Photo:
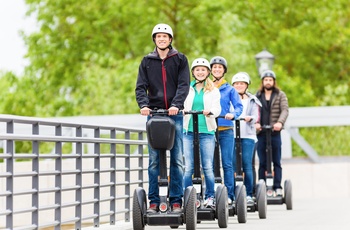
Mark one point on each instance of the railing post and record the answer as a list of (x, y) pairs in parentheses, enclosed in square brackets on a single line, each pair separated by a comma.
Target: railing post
[(9, 181), (58, 178), (97, 160), (78, 177), (112, 192), (127, 177), (35, 178), (140, 160)]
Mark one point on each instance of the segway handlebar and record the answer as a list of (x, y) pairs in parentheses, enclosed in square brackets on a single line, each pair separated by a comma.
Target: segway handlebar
[(195, 112), (266, 127), (162, 112), (241, 118)]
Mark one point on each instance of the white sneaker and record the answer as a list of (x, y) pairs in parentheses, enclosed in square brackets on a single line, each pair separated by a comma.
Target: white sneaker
[(209, 202), (250, 200), (279, 192), (229, 201)]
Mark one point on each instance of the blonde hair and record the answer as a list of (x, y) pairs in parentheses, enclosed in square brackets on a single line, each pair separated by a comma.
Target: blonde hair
[(209, 85)]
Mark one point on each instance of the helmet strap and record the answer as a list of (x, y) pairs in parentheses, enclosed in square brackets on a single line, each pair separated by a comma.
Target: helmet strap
[(242, 94), (217, 78), (199, 81)]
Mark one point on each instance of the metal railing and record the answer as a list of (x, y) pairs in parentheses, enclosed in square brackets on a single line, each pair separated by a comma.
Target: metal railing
[(87, 178)]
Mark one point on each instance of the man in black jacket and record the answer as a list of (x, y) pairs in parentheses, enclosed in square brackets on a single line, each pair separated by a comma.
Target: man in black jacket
[(163, 83)]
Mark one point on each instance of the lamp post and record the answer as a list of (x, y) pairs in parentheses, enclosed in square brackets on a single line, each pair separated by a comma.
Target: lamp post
[(264, 61)]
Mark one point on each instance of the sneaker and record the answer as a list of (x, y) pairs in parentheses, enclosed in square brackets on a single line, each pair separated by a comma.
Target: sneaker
[(176, 208), (279, 192), (229, 201), (209, 202), (153, 208), (250, 200)]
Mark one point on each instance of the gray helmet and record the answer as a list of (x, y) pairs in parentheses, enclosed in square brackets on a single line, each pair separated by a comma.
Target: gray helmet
[(219, 60), (268, 73)]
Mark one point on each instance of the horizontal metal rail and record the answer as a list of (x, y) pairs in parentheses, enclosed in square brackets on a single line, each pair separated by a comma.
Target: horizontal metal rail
[(90, 182)]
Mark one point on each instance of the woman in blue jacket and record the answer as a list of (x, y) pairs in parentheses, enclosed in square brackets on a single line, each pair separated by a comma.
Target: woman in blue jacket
[(229, 99)]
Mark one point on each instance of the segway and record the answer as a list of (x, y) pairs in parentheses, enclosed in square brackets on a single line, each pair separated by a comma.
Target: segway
[(220, 210), (260, 201), (271, 197), (239, 206), (160, 133), (240, 190)]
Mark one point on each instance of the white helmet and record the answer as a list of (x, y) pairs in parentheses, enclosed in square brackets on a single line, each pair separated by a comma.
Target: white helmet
[(268, 73), (200, 62), (241, 76), (162, 28)]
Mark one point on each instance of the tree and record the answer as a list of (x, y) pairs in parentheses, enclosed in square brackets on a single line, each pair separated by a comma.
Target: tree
[(85, 57)]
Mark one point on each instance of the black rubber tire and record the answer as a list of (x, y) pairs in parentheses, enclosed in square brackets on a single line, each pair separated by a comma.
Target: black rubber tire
[(288, 197), (218, 192), (261, 199), (191, 209), (221, 206), (241, 204), (139, 208), (175, 226)]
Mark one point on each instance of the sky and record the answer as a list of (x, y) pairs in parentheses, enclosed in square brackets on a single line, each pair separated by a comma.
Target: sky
[(12, 47)]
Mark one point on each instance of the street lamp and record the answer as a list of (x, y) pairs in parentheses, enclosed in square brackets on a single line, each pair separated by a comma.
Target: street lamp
[(264, 61)]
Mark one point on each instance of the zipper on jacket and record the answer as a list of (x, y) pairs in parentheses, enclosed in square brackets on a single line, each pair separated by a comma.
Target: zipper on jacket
[(164, 79)]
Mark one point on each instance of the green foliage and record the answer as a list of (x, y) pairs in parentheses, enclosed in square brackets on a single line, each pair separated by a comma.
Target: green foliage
[(334, 141), (84, 58)]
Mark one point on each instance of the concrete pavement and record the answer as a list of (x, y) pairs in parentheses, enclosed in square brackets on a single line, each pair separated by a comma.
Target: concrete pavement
[(320, 214), (321, 200)]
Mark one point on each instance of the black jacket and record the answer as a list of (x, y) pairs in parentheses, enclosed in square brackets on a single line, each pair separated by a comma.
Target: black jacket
[(159, 79)]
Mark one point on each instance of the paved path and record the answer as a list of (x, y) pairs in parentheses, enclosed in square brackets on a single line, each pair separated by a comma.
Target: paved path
[(318, 214), (321, 201)]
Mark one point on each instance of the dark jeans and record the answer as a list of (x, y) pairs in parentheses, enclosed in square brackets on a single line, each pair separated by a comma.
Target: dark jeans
[(276, 158)]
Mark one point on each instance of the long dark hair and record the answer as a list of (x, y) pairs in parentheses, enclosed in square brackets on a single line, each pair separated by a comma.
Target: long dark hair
[(274, 88)]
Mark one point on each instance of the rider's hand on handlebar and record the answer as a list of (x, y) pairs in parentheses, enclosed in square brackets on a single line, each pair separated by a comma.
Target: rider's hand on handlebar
[(229, 116), (277, 126), (173, 111), (258, 127), (145, 111), (206, 112), (248, 119)]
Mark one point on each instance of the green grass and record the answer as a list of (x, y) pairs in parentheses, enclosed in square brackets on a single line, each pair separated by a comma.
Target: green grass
[(326, 141)]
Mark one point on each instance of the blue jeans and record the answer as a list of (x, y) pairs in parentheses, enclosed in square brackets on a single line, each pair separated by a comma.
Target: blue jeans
[(227, 141), (276, 158), (247, 158), (176, 168), (206, 149)]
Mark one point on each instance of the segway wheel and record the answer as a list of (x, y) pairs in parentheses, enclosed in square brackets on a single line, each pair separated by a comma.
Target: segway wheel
[(241, 203), (190, 208), (261, 199), (288, 194), (221, 206), (139, 208)]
